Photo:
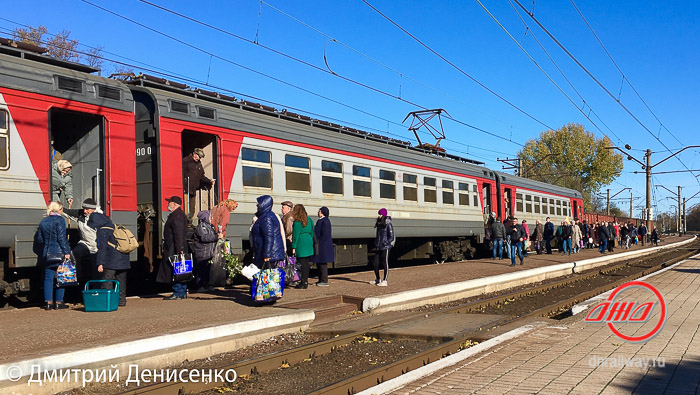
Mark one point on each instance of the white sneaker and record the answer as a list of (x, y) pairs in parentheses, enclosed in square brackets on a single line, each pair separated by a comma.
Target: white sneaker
[(373, 282), (382, 284)]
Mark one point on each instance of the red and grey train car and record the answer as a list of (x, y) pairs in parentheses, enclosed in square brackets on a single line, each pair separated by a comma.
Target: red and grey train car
[(127, 140)]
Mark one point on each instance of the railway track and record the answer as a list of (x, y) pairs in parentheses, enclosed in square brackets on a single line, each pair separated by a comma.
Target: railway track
[(616, 274)]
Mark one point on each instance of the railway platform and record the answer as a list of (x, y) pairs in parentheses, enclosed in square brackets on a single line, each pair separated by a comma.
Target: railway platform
[(577, 357), (156, 333)]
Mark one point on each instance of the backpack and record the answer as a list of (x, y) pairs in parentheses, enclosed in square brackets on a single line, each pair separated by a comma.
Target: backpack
[(126, 242)]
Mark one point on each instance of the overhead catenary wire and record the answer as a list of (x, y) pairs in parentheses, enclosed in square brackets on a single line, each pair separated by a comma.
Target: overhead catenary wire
[(617, 100), (620, 70), (183, 78), (192, 46), (457, 67)]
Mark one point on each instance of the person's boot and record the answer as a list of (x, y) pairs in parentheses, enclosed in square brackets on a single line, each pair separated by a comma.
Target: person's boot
[(60, 306), (302, 285), (48, 306)]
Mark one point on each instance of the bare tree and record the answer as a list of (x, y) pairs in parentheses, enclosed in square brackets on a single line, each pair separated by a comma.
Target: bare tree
[(60, 46), (94, 57)]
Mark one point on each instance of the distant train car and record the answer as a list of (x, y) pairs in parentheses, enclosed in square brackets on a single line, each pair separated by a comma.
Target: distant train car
[(127, 140)]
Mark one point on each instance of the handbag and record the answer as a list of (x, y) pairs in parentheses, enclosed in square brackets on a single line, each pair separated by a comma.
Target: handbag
[(313, 232), (54, 258), (268, 284), (66, 274), (182, 268), (291, 270)]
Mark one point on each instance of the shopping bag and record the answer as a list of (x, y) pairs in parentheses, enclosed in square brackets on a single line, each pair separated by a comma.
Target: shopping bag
[(268, 285), (182, 268), (217, 272), (66, 274), (291, 270), (250, 271)]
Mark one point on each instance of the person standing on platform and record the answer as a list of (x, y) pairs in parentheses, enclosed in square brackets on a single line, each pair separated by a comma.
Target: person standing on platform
[(221, 214), (565, 238), (548, 234), (612, 235), (85, 252), (526, 237), (51, 241), (205, 237), (655, 237), (383, 241), (603, 236), (302, 242), (516, 235), (326, 251), (643, 233), (288, 224), (498, 233), (111, 263), (193, 179), (266, 235), (576, 237), (174, 243), (538, 236)]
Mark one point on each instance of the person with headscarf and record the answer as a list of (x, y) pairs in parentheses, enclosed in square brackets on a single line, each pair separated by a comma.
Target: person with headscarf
[(383, 242), (221, 214), (265, 234), (205, 237), (62, 181), (324, 240)]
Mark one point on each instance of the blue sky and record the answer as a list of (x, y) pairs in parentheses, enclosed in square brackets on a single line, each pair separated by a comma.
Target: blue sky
[(655, 44)]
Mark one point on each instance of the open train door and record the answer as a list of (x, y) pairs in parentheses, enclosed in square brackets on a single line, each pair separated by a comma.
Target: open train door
[(206, 197)]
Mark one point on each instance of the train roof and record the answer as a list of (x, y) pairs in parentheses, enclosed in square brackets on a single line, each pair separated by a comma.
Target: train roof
[(26, 70), (511, 179)]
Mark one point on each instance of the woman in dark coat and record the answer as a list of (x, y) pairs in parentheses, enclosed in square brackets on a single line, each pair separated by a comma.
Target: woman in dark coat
[(51, 239), (205, 237), (383, 241), (265, 236), (324, 240), (174, 242), (111, 263)]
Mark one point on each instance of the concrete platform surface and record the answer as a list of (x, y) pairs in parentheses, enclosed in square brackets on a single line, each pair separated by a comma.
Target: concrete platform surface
[(576, 357), (32, 332)]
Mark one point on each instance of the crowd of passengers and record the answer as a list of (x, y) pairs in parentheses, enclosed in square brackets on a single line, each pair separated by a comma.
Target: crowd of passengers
[(516, 240)]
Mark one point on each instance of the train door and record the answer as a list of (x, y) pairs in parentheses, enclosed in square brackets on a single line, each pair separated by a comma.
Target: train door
[(486, 198), (576, 214), (507, 203), (205, 197), (79, 139)]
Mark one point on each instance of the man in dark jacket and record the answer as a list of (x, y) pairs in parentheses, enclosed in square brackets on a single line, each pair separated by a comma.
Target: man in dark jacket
[(516, 233), (324, 241), (498, 233), (265, 235), (110, 262), (565, 238), (603, 236), (383, 241), (193, 178), (643, 232), (174, 243), (612, 236), (548, 234)]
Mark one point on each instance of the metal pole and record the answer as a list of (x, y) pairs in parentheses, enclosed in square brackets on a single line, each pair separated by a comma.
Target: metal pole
[(685, 219), (607, 209), (631, 209), (679, 210), (648, 205)]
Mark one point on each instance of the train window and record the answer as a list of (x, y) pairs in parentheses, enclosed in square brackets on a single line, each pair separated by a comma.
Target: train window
[(528, 203), (558, 203), (178, 106), (332, 177), (519, 202), (257, 168), (410, 187), (537, 205), (387, 184), (4, 141), (206, 112), (463, 194), (476, 195), (70, 84), (361, 181), (297, 173), (448, 192), (429, 190)]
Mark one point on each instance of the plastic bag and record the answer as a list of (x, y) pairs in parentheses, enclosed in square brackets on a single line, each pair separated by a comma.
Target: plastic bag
[(66, 274)]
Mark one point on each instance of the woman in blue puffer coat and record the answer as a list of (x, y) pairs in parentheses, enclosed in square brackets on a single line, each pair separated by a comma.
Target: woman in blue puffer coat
[(265, 235), (51, 240)]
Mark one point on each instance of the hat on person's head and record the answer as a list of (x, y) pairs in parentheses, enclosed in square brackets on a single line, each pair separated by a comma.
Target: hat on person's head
[(174, 199), (288, 204), (89, 203), (383, 212), (199, 152), (324, 211)]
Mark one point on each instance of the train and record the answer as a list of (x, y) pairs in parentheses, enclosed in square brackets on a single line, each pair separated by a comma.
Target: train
[(126, 141)]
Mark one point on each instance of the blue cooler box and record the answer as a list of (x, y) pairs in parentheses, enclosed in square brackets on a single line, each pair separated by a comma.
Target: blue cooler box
[(99, 299)]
